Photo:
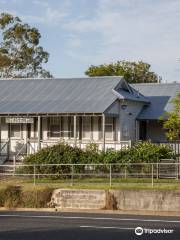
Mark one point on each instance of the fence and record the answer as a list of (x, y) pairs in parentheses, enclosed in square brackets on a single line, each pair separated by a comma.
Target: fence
[(90, 174)]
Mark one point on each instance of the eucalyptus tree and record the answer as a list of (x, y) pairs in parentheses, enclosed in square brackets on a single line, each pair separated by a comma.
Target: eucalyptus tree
[(20, 53)]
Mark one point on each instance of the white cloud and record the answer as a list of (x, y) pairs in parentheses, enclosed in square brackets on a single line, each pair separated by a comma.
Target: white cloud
[(49, 14), (102, 31), (41, 3), (3, 2), (73, 42), (136, 30)]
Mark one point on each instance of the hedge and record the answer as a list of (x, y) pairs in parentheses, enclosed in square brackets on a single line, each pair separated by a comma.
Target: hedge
[(62, 153)]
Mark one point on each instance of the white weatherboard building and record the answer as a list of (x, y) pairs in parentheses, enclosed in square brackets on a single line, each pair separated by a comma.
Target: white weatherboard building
[(35, 113)]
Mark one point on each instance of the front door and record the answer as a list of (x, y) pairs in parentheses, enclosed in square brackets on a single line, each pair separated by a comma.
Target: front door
[(142, 130)]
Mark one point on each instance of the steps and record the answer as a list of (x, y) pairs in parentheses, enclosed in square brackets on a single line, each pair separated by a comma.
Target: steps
[(7, 165), (3, 159)]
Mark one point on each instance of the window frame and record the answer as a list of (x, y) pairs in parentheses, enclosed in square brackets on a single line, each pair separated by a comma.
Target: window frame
[(90, 128), (109, 121), (20, 131)]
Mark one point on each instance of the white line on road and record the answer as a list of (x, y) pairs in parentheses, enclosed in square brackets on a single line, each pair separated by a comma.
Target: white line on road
[(90, 218), (101, 227)]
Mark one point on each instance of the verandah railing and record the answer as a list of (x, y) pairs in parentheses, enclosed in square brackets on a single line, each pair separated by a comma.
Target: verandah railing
[(19, 148), (174, 145), (30, 146)]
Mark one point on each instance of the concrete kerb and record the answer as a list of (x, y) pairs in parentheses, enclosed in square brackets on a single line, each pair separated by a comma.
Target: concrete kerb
[(115, 212)]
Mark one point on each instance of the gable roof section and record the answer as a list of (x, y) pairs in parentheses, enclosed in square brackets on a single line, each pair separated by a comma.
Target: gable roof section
[(124, 91), (75, 95), (131, 96), (160, 97)]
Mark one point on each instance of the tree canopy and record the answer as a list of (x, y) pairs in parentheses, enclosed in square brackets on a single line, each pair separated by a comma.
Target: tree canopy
[(20, 53), (133, 72), (172, 125)]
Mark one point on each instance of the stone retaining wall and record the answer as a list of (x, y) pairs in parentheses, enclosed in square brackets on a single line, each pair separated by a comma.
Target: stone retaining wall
[(81, 199), (139, 200), (155, 200)]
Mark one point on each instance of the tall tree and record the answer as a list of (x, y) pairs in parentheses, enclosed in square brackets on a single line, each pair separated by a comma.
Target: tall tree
[(20, 53), (133, 72), (172, 125)]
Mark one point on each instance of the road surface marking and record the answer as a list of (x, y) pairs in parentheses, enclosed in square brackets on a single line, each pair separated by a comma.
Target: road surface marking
[(101, 227), (89, 218)]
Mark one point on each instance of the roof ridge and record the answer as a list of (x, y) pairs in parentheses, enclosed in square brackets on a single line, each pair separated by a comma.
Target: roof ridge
[(63, 78), (172, 83)]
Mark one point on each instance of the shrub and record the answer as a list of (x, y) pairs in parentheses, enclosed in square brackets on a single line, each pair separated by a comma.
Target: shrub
[(36, 198), (57, 154), (12, 196), (65, 154), (92, 147), (2, 197), (147, 152)]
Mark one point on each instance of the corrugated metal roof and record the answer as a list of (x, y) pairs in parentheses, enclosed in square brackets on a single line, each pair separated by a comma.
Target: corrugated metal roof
[(81, 95), (133, 96), (77, 95), (160, 97)]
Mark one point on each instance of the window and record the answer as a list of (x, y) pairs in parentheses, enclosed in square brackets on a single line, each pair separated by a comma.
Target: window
[(109, 128), (15, 130), (100, 128), (34, 129), (65, 129), (86, 127), (71, 127), (54, 131), (62, 127), (54, 127)]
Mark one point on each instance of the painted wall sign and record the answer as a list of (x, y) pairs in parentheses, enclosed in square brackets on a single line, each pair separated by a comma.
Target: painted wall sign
[(19, 120)]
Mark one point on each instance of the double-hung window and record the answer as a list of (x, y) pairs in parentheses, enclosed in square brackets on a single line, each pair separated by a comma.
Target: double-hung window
[(109, 128), (86, 127), (15, 130), (54, 127)]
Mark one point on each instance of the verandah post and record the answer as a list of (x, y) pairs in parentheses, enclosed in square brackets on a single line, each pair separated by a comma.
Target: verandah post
[(75, 135), (103, 132), (0, 135), (39, 132)]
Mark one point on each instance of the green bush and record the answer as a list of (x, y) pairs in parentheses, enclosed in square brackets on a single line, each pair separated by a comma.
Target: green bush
[(57, 154), (147, 152), (64, 154)]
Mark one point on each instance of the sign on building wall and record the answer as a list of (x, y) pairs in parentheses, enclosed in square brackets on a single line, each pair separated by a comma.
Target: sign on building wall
[(19, 120)]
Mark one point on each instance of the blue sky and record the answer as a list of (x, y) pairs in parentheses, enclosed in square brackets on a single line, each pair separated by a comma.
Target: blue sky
[(78, 33)]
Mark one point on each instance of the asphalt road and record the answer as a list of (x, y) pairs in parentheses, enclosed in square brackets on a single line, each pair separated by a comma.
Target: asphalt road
[(83, 226)]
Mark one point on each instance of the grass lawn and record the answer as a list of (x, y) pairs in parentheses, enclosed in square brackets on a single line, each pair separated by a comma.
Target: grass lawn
[(92, 183)]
